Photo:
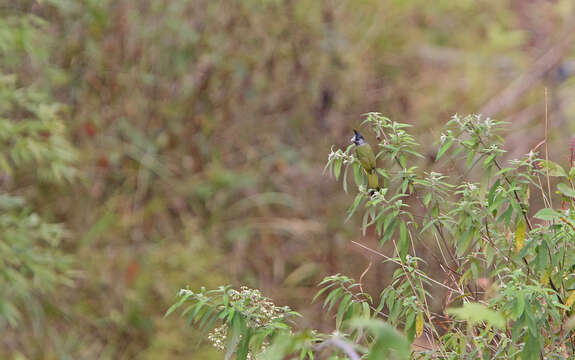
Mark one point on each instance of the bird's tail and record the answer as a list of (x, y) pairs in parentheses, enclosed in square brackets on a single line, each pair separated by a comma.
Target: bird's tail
[(372, 181)]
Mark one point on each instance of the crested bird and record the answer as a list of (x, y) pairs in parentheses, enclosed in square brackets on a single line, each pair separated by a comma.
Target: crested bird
[(366, 158)]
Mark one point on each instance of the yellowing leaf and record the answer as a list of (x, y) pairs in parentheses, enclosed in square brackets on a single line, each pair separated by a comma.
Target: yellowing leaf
[(520, 236), (570, 299), (544, 278), (419, 324)]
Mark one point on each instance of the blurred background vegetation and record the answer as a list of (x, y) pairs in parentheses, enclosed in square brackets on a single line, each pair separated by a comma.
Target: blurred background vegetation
[(150, 145)]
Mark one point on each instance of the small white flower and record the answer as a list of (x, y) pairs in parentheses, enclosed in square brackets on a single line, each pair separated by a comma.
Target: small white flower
[(185, 291)]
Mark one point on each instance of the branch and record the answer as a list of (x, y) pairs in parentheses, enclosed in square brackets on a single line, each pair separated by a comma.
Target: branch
[(404, 266)]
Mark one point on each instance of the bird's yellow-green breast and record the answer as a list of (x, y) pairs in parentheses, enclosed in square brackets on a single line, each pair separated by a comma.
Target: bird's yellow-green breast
[(365, 156)]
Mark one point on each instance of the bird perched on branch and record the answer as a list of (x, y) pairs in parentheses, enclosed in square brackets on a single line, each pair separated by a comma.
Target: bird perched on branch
[(366, 158)]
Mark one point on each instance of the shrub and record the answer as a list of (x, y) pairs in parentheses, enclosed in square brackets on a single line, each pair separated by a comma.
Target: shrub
[(508, 266), (32, 136), (34, 152)]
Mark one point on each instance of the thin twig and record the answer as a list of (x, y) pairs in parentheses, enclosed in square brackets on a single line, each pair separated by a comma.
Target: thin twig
[(363, 274), (404, 266)]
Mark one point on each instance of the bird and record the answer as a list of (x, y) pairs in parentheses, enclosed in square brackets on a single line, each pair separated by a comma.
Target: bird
[(366, 158)]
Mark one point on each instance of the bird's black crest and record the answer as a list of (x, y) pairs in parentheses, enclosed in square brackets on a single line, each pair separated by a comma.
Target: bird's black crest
[(357, 139)]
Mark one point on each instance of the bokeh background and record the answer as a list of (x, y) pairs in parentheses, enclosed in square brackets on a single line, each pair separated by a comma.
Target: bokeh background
[(151, 145)]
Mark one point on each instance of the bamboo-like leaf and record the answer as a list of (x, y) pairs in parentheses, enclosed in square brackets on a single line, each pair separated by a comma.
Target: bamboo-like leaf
[(546, 214), (531, 349), (518, 306), (403, 243), (178, 304), (444, 148), (234, 335), (244, 345), (332, 298), (477, 313), (345, 179), (356, 202), (386, 337), (337, 168), (324, 289), (342, 309)]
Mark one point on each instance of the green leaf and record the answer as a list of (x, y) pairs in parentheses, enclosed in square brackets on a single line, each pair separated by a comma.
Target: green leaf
[(427, 198), (464, 242), (403, 243), (345, 179), (235, 331), (531, 349), (324, 289), (546, 214), (178, 304), (390, 225), (279, 348), (244, 345), (337, 168), (387, 339), (518, 306), (488, 160), (477, 313), (492, 193), (355, 205), (357, 174), (566, 190), (332, 298), (554, 169), (342, 308), (444, 148)]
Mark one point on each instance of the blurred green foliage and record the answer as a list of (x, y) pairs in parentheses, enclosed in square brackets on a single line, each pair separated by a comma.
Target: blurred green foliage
[(181, 143)]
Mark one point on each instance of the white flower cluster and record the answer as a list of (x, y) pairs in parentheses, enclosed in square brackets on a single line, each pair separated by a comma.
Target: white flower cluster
[(339, 154), (457, 119), (434, 178), (218, 336), (261, 310), (258, 310), (443, 138), (487, 122), (471, 186)]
